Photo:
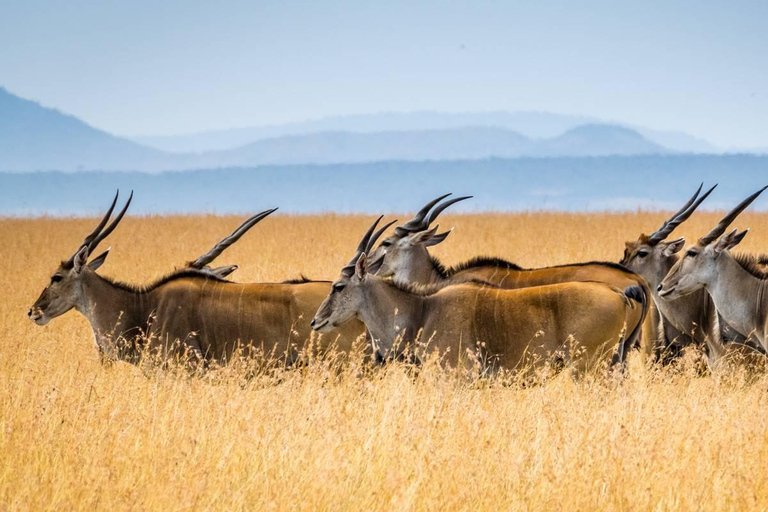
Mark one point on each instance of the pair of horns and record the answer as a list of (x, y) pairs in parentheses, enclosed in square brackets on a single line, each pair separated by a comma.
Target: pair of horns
[(424, 218), (220, 247), (679, 217), (99, 233), (366, 244), (728, 219)]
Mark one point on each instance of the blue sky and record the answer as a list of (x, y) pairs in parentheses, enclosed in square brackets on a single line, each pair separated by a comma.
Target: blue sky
[(163, 67)]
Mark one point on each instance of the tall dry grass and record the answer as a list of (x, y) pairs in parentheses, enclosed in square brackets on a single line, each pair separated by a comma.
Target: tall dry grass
[(76, 435)]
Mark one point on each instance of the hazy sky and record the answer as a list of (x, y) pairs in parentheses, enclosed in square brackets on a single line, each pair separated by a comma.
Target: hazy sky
[(161, 67)]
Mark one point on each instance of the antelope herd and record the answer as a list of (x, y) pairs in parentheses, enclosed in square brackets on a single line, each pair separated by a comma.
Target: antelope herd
[(486, 314)]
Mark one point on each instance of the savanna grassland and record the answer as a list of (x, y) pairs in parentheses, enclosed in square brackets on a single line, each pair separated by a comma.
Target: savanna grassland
[(75, 435)]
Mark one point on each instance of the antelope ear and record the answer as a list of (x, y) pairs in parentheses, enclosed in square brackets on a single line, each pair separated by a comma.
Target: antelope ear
[(98, 260), (361, 267), (730, 240), (80, 260), (222, 272), (423, 237), (374, 266), (674, 246), (438, 238)]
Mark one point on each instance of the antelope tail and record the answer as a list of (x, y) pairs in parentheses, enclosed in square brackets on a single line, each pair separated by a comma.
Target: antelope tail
[(639, 294), (635, 293)]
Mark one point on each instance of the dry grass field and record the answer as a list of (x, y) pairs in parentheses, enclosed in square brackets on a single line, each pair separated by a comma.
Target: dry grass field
[(78, 436)]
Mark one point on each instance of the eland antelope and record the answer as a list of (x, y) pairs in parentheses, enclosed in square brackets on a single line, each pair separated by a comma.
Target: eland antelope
[(495, 327), (191, 314), (689, 319), (737, 284), (405, 258)]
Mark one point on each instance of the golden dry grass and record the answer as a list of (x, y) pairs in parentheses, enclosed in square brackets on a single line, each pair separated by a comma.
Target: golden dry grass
[(75, 435)]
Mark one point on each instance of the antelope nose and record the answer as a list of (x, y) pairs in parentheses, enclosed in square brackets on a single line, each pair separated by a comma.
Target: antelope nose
[(29, 313), (311, 324), (658, 288)]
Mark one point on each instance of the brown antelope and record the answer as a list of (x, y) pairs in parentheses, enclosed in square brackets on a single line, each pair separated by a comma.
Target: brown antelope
[(736, 284), (495, 327), (190, 314), (405, 258)]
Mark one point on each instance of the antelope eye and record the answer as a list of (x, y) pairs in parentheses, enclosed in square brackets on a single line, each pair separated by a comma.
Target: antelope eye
[(691, 254), (56, 278), (386, 243), (642, 254), (338, 287)]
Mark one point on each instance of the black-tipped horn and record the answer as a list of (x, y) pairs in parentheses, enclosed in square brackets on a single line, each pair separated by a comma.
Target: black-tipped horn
[(417, 223), (109, 229), (726, 221), (93, 234), (691, 200), (681, 216), (99, 233), (442, 206), (362, 247), (220, 247), (377, 234)]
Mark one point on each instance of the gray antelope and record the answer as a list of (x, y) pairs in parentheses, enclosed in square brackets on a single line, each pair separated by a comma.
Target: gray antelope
[(191, 314), (688, 320), (405, 258), (737, 284), (471, 323)]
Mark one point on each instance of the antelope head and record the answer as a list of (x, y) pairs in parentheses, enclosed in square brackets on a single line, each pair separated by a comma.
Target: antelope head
[(698, 267), (202, 263), (65, 289), (345, 299), (406, 250), (652, 256)]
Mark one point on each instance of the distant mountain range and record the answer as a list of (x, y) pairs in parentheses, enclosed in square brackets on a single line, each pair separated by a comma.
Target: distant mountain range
[(536, 125), (33, 137), (468, 143)]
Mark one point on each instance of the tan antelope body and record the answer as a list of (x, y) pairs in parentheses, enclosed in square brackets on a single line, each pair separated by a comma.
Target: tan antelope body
[(578, 324), (191, 314), (502, 328), (405, 258), (736, 284)]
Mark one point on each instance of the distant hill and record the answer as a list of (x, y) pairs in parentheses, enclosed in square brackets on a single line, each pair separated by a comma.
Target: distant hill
[(529, 124), (598, 140), (589, 183), (33, 137), (345, 147), (450, 144)]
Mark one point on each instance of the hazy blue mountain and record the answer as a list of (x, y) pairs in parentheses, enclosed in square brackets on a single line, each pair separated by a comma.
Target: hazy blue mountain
[(597, 140), (589, 183), (450, 144), (530, 124), (35, 137), (678, 141), (345, 147)]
